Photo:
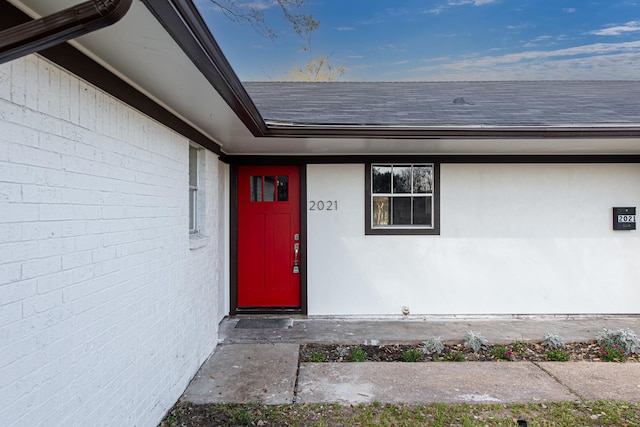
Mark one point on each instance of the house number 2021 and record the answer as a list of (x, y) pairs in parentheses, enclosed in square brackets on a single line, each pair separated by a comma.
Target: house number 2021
[(323, 205)]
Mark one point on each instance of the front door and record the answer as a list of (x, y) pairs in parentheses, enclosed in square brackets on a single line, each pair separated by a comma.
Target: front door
[(268, 237)]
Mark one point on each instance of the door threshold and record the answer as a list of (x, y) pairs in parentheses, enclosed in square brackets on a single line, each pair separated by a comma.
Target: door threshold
[(268, 310)]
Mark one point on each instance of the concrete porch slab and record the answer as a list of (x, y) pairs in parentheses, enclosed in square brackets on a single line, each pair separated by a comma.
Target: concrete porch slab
[(477, 382), (598, 381), (244, 373), (498, 330)]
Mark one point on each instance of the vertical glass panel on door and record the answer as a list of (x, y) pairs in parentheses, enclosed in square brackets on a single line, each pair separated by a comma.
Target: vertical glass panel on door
[(283, 188), (422, 179), (422, 210), (269, 189), (381, 211), (401, 179), (381, 179), (256, 188), (401, 210)]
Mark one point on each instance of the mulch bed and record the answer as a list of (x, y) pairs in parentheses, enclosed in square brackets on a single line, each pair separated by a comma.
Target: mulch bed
[(532, 352)]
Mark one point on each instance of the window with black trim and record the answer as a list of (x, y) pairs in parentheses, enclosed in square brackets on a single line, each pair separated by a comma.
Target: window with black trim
[(402, 198)]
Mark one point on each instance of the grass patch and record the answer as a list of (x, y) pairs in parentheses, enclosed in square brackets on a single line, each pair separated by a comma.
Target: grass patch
[(557, 355), (318, 357), (564, 414), (356, 355)]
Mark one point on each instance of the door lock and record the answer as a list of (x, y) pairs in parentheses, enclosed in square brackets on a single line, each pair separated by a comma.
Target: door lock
[(296, 251)]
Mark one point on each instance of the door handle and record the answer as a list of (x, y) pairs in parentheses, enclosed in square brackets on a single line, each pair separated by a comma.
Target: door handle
[(296, 251)]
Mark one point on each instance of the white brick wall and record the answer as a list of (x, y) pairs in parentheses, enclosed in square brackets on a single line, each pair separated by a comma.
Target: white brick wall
[(105, 311)]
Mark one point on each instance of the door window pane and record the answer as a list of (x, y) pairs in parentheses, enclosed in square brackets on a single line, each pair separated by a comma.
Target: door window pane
[(256, 188), (269, 188), (283, 188), (382, 179), (402, 179), (401, 210)]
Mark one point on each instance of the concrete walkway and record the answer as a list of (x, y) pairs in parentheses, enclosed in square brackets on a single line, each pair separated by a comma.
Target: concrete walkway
[(258, 362)]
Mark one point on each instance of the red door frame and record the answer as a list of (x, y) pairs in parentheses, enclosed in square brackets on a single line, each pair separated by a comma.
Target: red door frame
[(233, 247)]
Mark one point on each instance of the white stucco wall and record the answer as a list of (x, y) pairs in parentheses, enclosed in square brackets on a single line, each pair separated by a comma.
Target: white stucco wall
[(515, 239), (106, 308)]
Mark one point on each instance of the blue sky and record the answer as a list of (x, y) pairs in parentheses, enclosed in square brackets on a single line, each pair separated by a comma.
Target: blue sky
[(448, 40)]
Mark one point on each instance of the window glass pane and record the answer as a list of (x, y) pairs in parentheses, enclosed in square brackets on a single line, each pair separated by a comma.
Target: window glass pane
[(193, 167), (422, 179), (381, 179), (283, 188), (269, 188), (256, 188), (381, 209), (192, 209), (422, 211), (401, 210), (402, 179)]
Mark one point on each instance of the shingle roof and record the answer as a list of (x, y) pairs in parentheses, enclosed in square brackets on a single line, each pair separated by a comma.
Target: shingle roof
[(526, 103)]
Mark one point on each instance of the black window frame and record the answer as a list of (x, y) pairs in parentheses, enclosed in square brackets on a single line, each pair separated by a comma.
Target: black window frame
[(404, 230)]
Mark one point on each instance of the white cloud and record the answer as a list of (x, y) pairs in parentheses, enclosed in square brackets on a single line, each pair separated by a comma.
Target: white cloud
[(345, 28), (629, 27), (595, 62), (472, 2), (452, 3), (569, 9)]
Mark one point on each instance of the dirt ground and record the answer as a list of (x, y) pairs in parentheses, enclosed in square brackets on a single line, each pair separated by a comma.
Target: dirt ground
[(533, 352)]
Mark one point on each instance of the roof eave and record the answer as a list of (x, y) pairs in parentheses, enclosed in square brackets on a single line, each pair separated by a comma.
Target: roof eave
[(448, 132)]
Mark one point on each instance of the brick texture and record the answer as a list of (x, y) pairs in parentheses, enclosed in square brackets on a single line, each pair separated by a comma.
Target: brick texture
[(106, 312)]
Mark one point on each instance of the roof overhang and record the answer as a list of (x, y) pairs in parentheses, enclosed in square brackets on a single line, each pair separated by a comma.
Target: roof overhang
[(163, 49)]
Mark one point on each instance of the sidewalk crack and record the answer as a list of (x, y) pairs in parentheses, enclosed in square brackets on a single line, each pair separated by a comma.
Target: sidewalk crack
[(548, 372), (295, 383)]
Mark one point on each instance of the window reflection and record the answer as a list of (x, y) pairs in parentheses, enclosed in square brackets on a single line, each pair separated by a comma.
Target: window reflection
[(381, 210), (382, 179), (256, 188), (283, 188), (269, 189), (402, 179), (422, 179)]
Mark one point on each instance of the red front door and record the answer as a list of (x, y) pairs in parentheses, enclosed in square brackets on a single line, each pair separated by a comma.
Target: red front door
[(268, 236)]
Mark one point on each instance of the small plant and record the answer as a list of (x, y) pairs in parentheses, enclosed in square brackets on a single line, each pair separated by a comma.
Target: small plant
[(356, 355), (624, 339), (557, 355), (502, 353), (552, 341), (318, 357), (474, 341), (612, 354), (412, 355), (454, 356), (434, 345), (519, 347)]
